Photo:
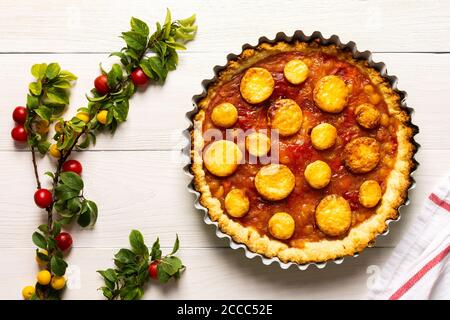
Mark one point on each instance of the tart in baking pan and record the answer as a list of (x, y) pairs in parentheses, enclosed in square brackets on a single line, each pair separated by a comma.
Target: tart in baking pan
[(301, 152)]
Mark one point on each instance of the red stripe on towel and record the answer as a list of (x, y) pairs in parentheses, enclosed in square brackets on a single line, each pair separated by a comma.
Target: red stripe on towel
[(440, 202), (414, 279)]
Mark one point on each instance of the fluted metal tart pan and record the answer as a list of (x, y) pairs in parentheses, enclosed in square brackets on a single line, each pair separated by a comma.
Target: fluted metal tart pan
[(301, 37)]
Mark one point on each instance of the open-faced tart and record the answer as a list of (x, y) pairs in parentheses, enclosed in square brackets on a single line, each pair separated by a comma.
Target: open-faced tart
[(301, 152)]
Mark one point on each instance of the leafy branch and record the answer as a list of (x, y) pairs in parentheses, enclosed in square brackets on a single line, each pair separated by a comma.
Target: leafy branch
[(108, 105), (134, 268), (47, 98)]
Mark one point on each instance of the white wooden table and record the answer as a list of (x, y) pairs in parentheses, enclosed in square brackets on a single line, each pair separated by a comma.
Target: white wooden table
[(136, 176)]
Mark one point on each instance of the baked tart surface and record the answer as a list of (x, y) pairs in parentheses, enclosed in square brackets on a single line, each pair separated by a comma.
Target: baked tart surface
[(301, 152)]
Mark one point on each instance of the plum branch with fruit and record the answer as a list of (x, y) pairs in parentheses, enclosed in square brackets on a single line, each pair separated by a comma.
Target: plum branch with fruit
[(135, 267), (145, 58)]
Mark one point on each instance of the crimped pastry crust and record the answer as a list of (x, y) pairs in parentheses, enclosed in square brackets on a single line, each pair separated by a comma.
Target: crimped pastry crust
[(359, 237)]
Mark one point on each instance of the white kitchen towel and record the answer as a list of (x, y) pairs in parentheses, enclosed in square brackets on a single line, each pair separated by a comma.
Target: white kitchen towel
[(419, 267)]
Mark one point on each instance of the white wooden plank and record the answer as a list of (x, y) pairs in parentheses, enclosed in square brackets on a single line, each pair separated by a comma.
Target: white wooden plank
[(147, 190), (217, 273), (74, 26), (156, 117)]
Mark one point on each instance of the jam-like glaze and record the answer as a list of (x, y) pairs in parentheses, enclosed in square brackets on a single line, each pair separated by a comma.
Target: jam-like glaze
[(297, 151)]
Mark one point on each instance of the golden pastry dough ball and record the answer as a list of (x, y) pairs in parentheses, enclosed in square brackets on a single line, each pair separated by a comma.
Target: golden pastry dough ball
[(296, 71), (285, 116), (274, 182), (224, 115), (367, 115), (369, 193), (256, 85), (362, 154), (222, 157), (318, 174), (237, 203), (257, 144), (330, 94), (333, 215), (281, 225), (323, 136)]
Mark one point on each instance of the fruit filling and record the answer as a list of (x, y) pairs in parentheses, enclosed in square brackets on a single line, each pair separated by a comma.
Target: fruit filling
[(335, 134)]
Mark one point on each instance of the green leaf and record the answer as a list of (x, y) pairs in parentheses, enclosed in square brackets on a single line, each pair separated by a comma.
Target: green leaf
[(125, 256), (143, 275), (53, 294), (176, 246), (44, 112), (39, 240), (147, 68), (69, 137), (74, 205), (137, 243), (171, 265), (33, 139), (109, 284), (85, 143), (160, 48), (129, 293), (120, 110), (67, 75), (58, 266), (41, 256), (132, 54), (84, 219), (154, 68), (60, 204), (53, 70), (72, 180), (96, 99), (56, 228), (51, 244), (64, 193), (135, 40), (140, 292), (35, 88), (139, 26), (123, 57), (43, 228), (115, 75), (50, 174), (167, 24), (185, 33), (58, 95), (89, 214), (188, 21), (176, 45), (172, 60), (83, 109), (38, 70), (77, 124), (129, 270), (163, 276), (158, 29), (156, 251), (32, 101), (62, 83), (56, 108), (93, 136), (64, 213), (107, 293), (34, 297), (43, 147), (66, 220), (108, 274)]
